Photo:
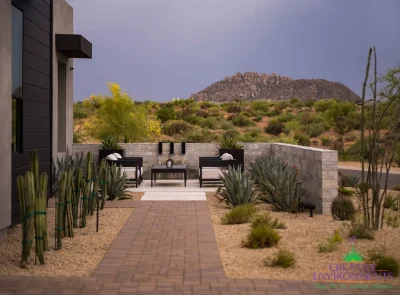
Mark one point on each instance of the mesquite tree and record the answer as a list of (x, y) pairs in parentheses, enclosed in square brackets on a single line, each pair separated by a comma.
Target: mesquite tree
[(380, 133)]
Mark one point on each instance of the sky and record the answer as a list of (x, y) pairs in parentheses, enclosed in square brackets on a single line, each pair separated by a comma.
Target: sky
[(157, 49)]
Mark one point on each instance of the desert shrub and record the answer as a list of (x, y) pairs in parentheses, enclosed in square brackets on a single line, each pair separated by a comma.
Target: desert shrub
[(245, 114), (310, 102), (231, 133), (192, 119), (252, 137), (352, 136), (242, 121), (258, 119), (294, 101), (229, 143), (345, 191), (323, 105), (360, 231), (285, 117), (392, 219), (266, 219), (79, 111), (384, 263), (325, 141), (260, 106), (340, 109), (287, 139), (165, 114), (342, 208), (278, 183), (238, 215), (262, 236), (315, 129), (275, 112), (293, 126), (391, 201), (332, 243), (214, 112), (202, 113), (233, 108), (396, 188), (225, 125), (284, 258), (237, 188), (209, 123), (207, 104), (302, 139), (176, 127), (200, 135), (274, 128)]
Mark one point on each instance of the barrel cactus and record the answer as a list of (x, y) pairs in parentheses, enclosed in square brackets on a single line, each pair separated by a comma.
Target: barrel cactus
[(343, 208)]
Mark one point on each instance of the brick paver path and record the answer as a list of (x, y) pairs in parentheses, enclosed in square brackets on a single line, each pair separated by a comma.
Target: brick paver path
[(169, 248)]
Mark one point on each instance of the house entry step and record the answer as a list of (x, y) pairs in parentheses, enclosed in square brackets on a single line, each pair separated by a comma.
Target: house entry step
[(174, 196)]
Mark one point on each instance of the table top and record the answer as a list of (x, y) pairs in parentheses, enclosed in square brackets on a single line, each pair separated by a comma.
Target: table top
[(164, 167)]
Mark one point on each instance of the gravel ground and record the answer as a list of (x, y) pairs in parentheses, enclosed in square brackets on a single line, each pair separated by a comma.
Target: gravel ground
[(79, 255), (302, 236)]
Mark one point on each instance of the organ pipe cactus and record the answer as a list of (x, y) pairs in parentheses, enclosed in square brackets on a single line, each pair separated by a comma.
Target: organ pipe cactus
[(60, 210), (27, 210), (77, 193), (103, 182), (87, 189), (68, 217), (40, 218)]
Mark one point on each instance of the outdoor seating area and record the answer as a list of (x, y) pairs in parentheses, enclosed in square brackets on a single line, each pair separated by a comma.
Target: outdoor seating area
[(132, 166)]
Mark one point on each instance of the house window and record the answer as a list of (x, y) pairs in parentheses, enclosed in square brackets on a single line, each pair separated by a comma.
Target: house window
[(17, 29)]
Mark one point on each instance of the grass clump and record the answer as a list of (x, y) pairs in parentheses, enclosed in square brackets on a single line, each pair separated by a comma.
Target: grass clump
[(396, 188), (332, 243), (262, 236), (274, 128), (360, 231), (384, 263), (240, 214), (266, 219), (392, 220), (284, 258)]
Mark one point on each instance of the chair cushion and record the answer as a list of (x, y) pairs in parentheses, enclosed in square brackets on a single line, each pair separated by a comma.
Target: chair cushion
[(118, 156), (227, 157), (130, 172), (223, 155), (111, 157), (141, 170), (211, 173)]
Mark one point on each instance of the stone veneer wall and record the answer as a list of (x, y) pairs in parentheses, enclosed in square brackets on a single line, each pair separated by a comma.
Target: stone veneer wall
[(319, 167)]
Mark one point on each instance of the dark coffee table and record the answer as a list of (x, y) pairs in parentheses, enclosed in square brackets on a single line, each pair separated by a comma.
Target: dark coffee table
[(163, 169)]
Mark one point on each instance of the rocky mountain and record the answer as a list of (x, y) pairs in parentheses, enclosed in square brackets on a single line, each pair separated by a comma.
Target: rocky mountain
[(251, 86)]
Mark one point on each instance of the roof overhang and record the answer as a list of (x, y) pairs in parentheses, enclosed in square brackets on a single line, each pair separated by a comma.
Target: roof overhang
[(73, 46)]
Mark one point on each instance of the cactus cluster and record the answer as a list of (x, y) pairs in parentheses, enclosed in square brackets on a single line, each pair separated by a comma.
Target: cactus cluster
[(32, 191)]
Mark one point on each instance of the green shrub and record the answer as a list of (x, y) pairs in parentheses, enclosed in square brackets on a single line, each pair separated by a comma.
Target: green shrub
[(345, 191), (278, 183), (325, 141), (225, 125), (230, 134), (233, 108), (293, 126), (266, 219), (176, 127), (165, 114), (287, 139), (323, 105), (202, 113), (350, 137), (207, 104), (332, 243), (192, 119), (284, 258), (260, 106), (229, 143), (116, 184), (342, 208), (209, 123), (392, 219), (239, 215), (242, 121), (310, 102), (360, 231), (258, 119), (110, 143), (237, 188), (303, 139), (396, 188), (200, 135), (384, 263), (252, 137), (294, 101), (315, 129), (285, 117), (274, 128), (262, 236), (275, 112), (391, 202)]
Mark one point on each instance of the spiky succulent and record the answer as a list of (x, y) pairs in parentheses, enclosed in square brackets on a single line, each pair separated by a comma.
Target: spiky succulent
[(116, 181)]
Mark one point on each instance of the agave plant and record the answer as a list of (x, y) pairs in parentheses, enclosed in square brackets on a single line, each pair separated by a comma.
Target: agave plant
[(116, 181), (61, 165), (110, 143), (229, 143), (237, 189), (277, 183)]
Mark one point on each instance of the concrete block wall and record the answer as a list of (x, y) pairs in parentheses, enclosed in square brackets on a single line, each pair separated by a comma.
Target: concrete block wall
[(318, 167)]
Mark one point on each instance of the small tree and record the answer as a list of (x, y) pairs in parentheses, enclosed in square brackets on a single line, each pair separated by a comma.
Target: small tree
[(120, 117), (382, 112)]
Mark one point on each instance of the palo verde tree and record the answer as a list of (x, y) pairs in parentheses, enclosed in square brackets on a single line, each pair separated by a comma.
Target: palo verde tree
[(118, 116), (380, 132)]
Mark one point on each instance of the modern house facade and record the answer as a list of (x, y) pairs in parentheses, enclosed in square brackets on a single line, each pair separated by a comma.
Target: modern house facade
[(37, 48)]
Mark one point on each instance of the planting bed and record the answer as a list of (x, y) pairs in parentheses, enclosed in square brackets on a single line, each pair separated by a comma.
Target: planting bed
[(302, 236), (79, 255)]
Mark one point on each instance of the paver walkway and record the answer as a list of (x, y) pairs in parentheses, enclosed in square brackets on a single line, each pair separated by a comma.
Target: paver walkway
[(166, 247)]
